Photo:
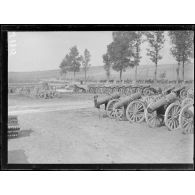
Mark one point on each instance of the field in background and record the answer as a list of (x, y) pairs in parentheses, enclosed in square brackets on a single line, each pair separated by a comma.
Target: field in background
[(98, 73)]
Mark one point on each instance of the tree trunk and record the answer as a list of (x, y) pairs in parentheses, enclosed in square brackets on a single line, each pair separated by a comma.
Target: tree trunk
[(136, 73), (177, 70), (108, 75), (85, 76), (64, 76), (120, 75), (155, 73), (74, 75), (183, 71)]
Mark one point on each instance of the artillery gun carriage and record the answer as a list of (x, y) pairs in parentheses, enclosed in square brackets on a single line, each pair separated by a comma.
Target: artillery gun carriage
[(166, 108), (104, 101)]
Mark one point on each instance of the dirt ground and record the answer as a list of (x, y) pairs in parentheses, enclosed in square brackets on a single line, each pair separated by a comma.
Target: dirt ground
[(70, 130)]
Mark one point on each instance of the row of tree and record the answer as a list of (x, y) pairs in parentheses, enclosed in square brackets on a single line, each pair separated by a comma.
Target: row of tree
[(73, 61), (124, 51)]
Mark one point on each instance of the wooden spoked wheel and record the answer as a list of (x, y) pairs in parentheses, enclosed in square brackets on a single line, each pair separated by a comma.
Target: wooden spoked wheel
[(187, 101), (120, 90), (148, 99), (147, 92), (135, 111), (126, 91), (186, 119), (183, 93), (190, 93), (110, 108), (120, 113), (115, 90), (153, 119), (172, 116), (109, 90), (129, 91)]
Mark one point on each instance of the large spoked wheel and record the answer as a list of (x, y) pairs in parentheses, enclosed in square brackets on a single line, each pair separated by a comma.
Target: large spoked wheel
[(190, 93), (110, 108), (126, 91), (172, 116), (135, 111), (120, 90), (183, 93), (115, 90), (187, 101), (153, 119), (119, 113), (186, 119), (147, 92)]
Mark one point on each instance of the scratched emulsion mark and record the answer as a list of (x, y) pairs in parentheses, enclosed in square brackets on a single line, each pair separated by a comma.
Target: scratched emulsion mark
[(12, 44)]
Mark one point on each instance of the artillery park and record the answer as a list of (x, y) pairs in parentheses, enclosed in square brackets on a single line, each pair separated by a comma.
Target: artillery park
[(109, 115)]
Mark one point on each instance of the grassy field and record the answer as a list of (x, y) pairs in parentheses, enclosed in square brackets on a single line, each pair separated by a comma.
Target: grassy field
[(98, 73)]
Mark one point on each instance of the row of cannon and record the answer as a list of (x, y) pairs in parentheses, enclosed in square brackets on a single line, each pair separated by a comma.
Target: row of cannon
[(122, 89), (169, 108), (146, 90), (34, 92)]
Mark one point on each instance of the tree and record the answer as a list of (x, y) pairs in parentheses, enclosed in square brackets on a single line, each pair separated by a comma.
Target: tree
[(85, 62), (156, 41), (74, 60), (137, 43), (107, 65), (120, 52), (182, 48), (162, 75), (64, 65)]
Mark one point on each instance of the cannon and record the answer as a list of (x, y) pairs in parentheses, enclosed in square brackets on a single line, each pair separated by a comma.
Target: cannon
[(105, 100), (116, 108), (165, 110), (13, 126), (173, 110), (148, 90), (155, 112), (168, 90), (173, 119), (135, 111), (80, 88)]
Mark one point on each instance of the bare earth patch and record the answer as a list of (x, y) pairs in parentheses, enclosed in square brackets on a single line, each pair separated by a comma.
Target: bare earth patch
[(69, 130)]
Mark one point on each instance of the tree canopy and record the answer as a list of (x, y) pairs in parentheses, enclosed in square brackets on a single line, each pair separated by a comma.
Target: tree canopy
[(182, 47), (156, 41), (74, 60), (120, 51), (107, 64), (85, 61), (71, 62)]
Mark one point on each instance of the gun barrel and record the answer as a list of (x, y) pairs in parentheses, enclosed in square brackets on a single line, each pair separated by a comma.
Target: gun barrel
[(161, 102), (168, 89), (178, 89), (108, 98), (125, 101)]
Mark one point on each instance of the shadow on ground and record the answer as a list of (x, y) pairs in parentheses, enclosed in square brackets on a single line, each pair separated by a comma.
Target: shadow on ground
[(17, 157)]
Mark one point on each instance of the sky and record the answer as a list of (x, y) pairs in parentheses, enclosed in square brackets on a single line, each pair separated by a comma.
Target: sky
[(37, 51)]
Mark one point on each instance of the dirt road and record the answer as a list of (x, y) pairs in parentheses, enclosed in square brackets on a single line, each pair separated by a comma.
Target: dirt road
[(78, 135)]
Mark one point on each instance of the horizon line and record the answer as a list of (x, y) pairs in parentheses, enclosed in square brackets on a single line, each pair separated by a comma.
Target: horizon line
[(82, 67)]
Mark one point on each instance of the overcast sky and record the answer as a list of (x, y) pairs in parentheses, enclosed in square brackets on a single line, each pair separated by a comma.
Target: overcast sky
[(32, 51)]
